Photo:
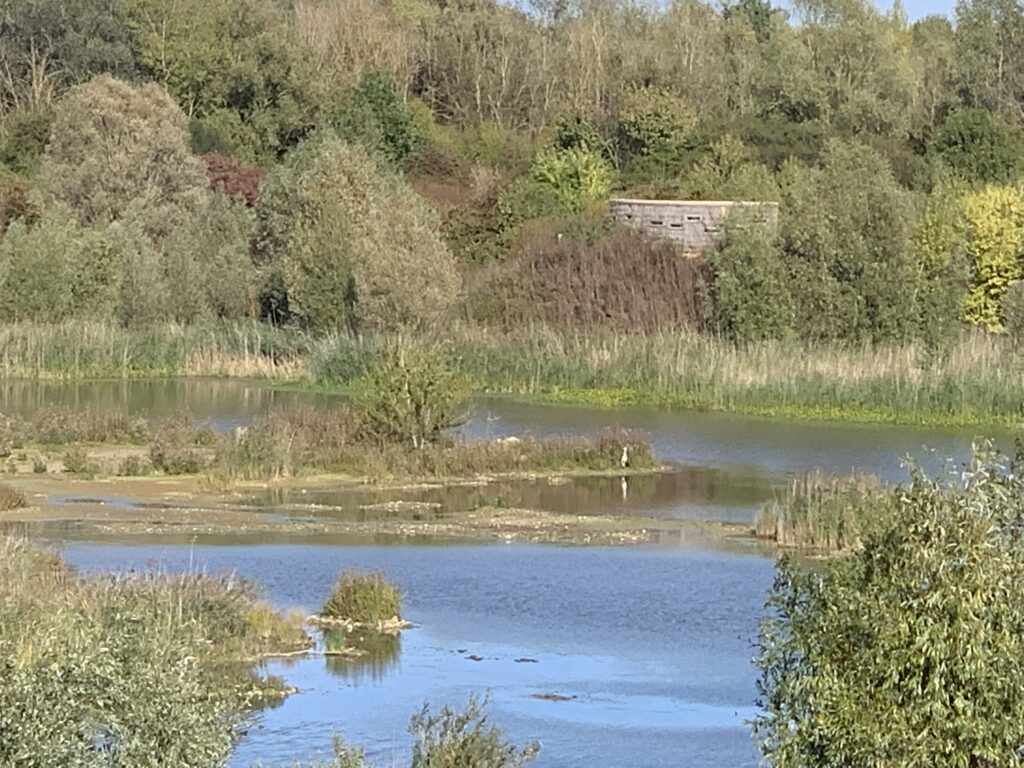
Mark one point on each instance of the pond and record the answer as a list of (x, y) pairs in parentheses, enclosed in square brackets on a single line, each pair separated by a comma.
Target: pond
[(646, 650)]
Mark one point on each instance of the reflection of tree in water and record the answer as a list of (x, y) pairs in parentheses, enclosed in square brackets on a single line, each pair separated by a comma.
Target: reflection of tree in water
[(378, 653)]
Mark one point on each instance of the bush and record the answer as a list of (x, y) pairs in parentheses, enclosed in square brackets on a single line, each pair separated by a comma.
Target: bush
[(909, 643), (411, 395), (76, 461), (452, 739), (750, 293), (351, 243), (979, 146), (363, 598), (173, 447), (576, 176), (114, 144), (376, 117), (655, 122), (994, 221)]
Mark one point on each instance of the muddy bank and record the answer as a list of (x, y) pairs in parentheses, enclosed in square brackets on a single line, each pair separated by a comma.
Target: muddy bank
[(186, 506)]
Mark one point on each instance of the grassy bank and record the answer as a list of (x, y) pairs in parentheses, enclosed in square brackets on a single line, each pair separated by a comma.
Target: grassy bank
[(975, 379)]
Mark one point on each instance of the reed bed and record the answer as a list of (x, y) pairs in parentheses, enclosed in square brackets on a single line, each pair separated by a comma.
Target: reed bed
[(96, 350), (974, 379), (826, 514), (977, 379)]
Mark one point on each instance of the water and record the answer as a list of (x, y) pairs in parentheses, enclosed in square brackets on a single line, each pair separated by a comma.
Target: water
[(650, 646)]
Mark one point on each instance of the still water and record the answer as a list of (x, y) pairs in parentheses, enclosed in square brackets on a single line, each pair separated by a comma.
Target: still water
[(650, 648)]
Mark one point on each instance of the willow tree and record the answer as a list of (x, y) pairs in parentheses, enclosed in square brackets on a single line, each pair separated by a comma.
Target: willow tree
[(350, 243)]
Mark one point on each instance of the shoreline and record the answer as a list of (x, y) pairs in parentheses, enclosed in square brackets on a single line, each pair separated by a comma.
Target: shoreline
[(181, 506)]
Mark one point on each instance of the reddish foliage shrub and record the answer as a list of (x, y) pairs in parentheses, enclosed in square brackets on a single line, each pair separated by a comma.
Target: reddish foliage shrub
[(242, 182)]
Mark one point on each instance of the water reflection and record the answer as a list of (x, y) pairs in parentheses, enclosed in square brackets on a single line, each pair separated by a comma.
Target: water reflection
[(682, 493), (360, 656)]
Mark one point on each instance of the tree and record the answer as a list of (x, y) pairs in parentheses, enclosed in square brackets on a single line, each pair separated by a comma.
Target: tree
[(411, 395), (994, 222), (375, 116), (655, 122), (47, 46), (350, 243), (231, 66), (903, 653), (53, 269), (115, 145), (846, 233), (750, 294), (978, 146)]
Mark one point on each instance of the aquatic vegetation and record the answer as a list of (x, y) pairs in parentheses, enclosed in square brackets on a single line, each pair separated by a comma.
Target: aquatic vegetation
[(451, 739), (363, 598), (822, 513), (127, 669), (909, 642)]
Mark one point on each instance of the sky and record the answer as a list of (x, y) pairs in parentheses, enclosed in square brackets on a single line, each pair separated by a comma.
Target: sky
[(917, 9)]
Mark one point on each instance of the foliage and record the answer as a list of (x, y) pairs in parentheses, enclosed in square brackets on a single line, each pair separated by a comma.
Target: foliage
[(576, 130), (55, 269), (132, 670), (231, 67), (363, 598), (655, 122), (576, 176), (751, 298), (375, 116), (411, 395), (450, 738), (24, 138), (904, 644), (846, 236), (115, 146), (979, 146), (729, 172), (354, 246), (1013, 311), (994, 220), (940, 252)]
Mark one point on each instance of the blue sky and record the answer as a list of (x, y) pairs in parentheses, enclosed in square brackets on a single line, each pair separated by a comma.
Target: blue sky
[(917, 9)]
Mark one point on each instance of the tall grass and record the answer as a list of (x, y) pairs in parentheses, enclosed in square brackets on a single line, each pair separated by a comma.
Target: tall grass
[(977, 379), (83, 350), (823, 514), (974, 379)]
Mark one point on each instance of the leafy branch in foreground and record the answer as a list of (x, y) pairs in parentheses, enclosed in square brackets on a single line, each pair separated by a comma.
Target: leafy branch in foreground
[(907, 652)]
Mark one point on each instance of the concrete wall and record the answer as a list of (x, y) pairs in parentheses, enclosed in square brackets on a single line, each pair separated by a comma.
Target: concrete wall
[(694, 224)]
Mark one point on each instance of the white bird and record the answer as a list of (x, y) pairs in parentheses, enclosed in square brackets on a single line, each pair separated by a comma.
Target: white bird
[(625, 456)]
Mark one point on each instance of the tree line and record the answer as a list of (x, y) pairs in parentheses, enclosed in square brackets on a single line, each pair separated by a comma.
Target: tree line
[(361, 165)]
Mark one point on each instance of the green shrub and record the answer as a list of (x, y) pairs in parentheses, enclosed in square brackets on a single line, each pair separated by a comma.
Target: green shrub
[(39, 465), (750, 296), (910, 642), (376, 117), (411, 395), (363, 598), (453, 739), (576, 176)]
